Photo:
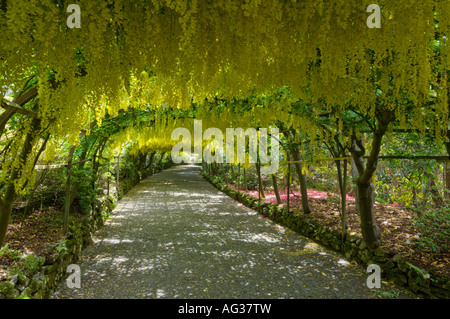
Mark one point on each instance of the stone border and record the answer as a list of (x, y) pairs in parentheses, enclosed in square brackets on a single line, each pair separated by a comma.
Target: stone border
[(353, 247), (53, 269)]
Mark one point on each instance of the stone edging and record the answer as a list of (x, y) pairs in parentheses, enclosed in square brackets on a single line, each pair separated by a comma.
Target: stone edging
[(353, 247), (53, 269)]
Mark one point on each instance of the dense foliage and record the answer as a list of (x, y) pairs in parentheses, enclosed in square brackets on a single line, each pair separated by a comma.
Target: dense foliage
[(137, 69)]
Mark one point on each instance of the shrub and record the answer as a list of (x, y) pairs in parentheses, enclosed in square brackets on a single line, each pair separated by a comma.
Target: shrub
[(31, 264), (10, 254), (434, 227)]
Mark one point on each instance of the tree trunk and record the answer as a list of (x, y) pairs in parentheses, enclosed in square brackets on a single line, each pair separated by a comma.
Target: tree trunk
[(30, 197), (7, 199), (447, 181), (435, 195), (75, 184), (369, 228), (68, 190), (288, 186), (239, 177), (95, 166), (275, 189), (366, 194), (288, 181), (150, 161), (159, 161), (447, 173), (344, 204), (141, 161), (258, 172), (342, 179), (355, 175), (118, 174), (5, 211), (302, 181), (233, 177), (245, 180)]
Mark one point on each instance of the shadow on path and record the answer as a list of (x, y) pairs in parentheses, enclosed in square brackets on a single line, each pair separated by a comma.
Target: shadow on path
[(175, 236)]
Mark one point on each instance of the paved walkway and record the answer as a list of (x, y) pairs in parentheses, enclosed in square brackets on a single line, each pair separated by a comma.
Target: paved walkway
[(175, 236)]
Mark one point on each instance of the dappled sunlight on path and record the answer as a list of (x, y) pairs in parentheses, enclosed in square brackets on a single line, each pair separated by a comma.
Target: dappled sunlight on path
[(175, 236)]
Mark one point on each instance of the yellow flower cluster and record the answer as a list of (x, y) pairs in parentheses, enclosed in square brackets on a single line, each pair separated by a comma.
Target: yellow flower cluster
[(149, 53)]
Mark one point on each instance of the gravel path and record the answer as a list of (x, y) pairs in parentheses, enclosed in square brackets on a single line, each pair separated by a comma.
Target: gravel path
[(175, 236)]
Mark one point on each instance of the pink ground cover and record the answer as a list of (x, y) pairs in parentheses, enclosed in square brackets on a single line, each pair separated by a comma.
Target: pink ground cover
[(295, 197)]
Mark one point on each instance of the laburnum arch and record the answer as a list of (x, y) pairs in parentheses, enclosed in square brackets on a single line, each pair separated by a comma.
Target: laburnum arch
[(311, 66)]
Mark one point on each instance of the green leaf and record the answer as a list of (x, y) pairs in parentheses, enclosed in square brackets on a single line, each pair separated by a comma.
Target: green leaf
[(420, 271)]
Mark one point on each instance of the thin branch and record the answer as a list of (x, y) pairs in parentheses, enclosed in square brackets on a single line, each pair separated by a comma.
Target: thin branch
[(17, 108)]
